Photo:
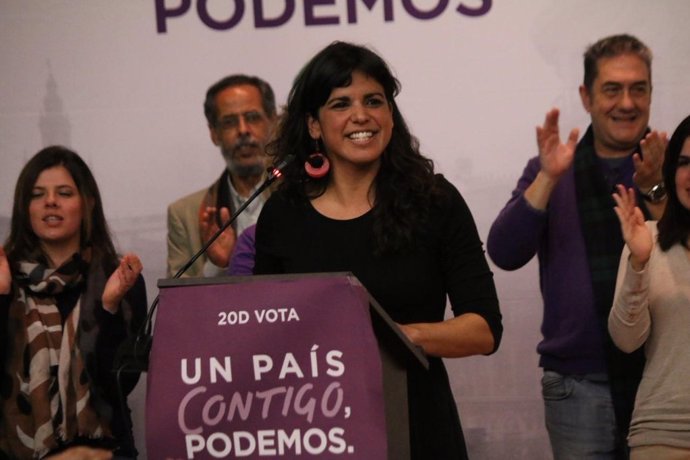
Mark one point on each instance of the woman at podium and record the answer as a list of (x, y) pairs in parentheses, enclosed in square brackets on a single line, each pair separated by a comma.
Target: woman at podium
[(66, 303), (360, 197)]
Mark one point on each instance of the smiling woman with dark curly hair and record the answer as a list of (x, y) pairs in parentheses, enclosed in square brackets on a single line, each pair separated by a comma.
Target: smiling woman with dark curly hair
[(362, 198)]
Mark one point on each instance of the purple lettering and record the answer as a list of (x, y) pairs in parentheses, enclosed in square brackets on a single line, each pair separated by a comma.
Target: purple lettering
[(482, 10), (419, 14), (226, 14), (220, 25), (310, 18), (162, 13), (260, 21), (352, 9)]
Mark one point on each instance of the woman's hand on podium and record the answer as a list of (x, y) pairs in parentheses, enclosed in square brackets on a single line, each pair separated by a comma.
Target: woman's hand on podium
[(465, 335)]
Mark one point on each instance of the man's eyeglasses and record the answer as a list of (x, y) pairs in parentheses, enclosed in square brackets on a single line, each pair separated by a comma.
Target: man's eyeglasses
[(231, 122)]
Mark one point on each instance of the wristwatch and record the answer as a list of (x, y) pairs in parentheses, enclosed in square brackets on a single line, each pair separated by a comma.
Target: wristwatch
[(656, 194)]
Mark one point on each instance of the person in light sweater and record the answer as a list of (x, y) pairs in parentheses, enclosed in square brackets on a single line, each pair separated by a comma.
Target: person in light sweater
[(651, 308)]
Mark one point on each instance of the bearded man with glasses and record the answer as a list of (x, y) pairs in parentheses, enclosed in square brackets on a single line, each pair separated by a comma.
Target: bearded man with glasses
[(241, 114)]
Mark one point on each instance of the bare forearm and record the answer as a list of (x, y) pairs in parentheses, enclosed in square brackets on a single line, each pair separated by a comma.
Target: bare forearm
[(464, 335)]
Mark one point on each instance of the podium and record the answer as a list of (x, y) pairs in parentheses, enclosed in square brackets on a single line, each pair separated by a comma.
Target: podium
[(289, 366)]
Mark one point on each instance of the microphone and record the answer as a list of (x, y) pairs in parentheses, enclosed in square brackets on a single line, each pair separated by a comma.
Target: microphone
[(133, 354), (275, 172)]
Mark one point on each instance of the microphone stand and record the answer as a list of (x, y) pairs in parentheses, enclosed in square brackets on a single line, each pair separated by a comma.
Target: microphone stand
[(133, 355), (137, 360)]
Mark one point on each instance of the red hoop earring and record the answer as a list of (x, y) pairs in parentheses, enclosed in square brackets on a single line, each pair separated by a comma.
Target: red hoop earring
[(317, 164)]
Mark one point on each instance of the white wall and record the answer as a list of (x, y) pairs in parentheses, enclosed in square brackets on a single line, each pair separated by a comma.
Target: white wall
[(97, 76)]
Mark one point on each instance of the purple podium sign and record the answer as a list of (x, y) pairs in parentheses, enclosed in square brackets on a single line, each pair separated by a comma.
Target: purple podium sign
[(265, 368)]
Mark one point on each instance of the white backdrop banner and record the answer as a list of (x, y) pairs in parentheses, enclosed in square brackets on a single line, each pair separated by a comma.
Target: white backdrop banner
[(122, 83)]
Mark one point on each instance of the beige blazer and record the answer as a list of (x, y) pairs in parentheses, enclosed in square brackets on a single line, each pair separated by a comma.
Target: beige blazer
[(184, 238)]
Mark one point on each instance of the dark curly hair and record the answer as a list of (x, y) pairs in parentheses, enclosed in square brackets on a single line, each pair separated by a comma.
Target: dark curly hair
[(674, 225), (405, 181)]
